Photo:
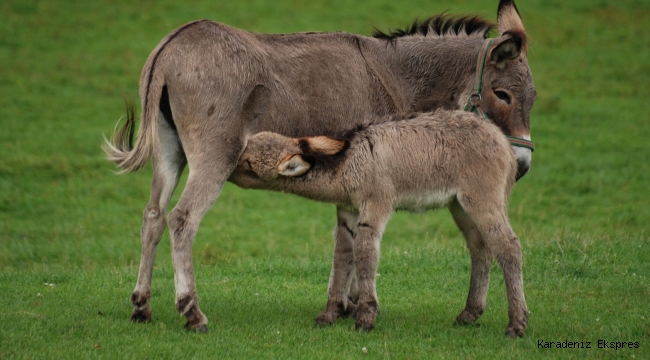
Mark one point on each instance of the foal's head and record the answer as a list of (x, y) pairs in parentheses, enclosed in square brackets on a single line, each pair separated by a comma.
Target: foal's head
[(269, 155)]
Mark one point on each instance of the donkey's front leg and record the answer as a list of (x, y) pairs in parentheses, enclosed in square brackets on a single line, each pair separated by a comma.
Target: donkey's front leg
[(372, 221), (343, 277)]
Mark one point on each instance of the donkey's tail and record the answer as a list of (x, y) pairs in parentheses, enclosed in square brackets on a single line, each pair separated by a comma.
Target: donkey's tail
[(152, 81), (120, 149)]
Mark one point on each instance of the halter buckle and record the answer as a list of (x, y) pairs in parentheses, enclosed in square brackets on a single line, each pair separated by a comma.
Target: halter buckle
[(474, 99)]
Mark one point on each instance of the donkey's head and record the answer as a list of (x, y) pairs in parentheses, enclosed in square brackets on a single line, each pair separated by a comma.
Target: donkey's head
[(269, 155), (508, 92)]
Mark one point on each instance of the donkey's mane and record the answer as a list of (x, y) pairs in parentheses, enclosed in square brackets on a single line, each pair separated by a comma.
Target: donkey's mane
[(441, 25)]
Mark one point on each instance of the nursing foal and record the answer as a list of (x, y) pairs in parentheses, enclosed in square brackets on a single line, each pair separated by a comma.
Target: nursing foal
[(450, 159)]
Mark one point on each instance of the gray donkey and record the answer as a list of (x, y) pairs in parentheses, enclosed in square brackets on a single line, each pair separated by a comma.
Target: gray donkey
[(195, 84), (449, 159)]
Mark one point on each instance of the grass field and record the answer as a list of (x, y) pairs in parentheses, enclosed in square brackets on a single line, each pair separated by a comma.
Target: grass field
[(69, 228)]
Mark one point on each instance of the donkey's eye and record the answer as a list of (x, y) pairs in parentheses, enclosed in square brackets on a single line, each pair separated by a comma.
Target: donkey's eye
[(502, 95), (248, 164)]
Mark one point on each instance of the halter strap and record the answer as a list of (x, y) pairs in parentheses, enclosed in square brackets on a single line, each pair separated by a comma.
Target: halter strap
[(474, 102)]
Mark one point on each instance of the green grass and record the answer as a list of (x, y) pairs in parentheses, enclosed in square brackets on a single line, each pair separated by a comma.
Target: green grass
[(582, 213)]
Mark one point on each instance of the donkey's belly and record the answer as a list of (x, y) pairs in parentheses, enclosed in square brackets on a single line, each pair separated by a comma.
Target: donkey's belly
[(426, 200)]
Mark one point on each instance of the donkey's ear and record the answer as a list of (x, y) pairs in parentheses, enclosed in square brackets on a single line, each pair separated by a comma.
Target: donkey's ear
[(508, 17), (508, 47), (322, 145), (293, 165), (256, 103)]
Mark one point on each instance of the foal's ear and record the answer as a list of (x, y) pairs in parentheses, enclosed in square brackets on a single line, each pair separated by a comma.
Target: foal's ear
[(293, 165), (322, 145)]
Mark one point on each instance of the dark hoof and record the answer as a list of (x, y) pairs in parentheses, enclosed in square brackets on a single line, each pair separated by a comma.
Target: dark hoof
[(141, 316), (467, 318), (367, 312), (514, 331), (324, 319), (202, 328), (351, 311), (363, 327)]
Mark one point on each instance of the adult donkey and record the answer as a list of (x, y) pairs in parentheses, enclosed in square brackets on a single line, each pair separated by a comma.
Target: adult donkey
[(194, 90)]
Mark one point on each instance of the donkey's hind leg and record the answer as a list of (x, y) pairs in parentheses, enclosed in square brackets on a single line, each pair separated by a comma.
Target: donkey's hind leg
[(481, 263), (343, 277), (210, 167), (168, 164)]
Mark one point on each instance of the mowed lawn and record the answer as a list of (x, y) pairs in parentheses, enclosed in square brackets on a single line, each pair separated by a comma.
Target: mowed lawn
[(69, 227)]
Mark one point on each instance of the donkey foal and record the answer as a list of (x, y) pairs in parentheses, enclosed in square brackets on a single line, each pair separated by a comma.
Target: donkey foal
[(443, 159)]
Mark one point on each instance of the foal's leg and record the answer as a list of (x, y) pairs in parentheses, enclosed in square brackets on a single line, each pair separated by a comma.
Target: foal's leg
[(504, 245), (372, 221), (481, 263), (343, 277), (168, 163)]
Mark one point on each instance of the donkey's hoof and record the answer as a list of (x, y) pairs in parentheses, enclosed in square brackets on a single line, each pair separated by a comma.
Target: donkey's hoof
[(200, 328), (141, 316), (466, 318), (196, 321)]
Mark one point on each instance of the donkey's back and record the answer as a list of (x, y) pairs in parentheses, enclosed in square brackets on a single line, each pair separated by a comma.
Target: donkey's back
[(216, 66)]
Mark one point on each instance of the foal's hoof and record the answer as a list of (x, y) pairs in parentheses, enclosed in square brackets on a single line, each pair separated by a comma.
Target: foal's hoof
[(366, 314), (351, 311), (141, 316), (364, 327), (324, 319), (514, 331), (334, 312)]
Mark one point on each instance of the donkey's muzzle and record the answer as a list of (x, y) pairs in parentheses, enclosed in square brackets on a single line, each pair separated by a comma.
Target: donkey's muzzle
[(522, 169), (524, 157)]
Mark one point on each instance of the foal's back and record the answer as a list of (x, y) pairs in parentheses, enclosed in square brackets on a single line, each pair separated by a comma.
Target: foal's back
[(424, 162)]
